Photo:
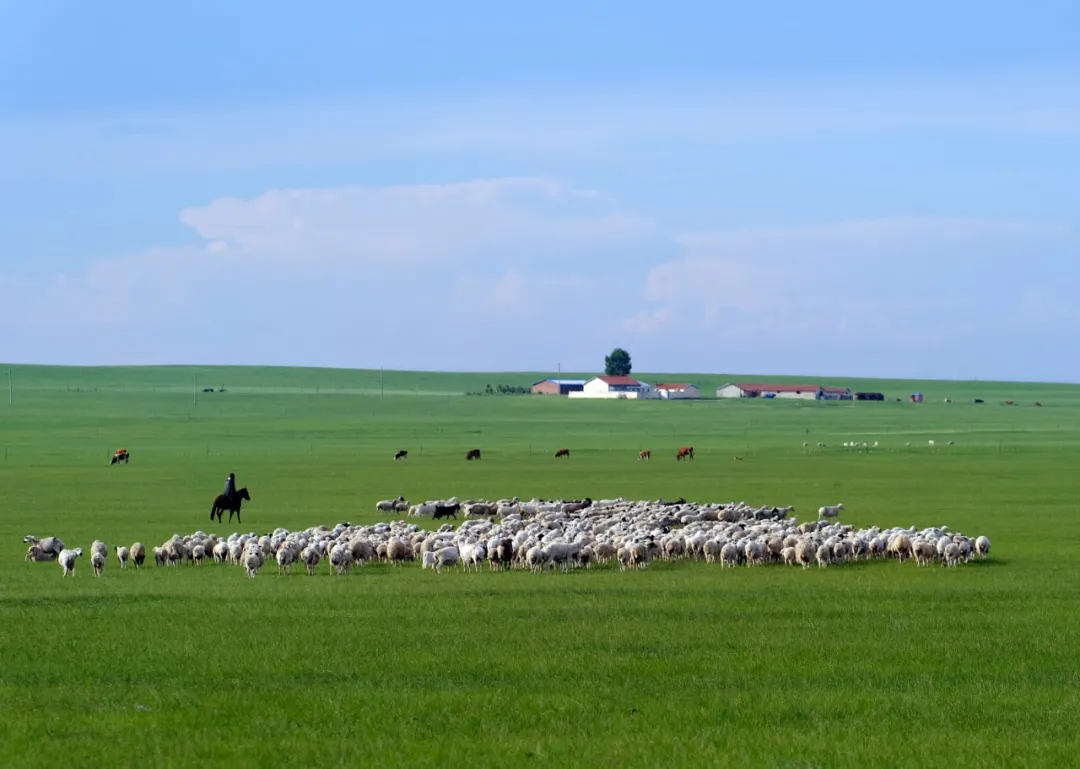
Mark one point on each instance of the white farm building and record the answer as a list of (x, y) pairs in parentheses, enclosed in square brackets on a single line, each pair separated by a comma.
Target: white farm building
[(807, 392), (615, 387), (678, 391)]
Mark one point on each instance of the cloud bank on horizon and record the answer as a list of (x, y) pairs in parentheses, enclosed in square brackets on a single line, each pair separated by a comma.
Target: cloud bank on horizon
[(854, 193)]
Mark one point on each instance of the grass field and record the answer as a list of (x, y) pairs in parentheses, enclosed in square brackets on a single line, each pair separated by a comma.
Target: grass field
[(679, 665)]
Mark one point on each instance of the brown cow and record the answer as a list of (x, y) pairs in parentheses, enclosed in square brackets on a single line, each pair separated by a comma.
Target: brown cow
[(562, 453), (121, 455), (472, 454), (644, 454), (686, 452)]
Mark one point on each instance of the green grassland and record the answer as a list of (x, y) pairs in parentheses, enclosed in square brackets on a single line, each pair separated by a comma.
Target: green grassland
[(678, 665)]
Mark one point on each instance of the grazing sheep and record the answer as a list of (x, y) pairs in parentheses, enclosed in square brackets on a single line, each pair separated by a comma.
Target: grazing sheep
[(804, 553), (97, 560), (389, 505), (122, 556), (35, 553), (341, 559), (830, 511), (448, 556), (923, 551), (48, 545), (221, 552), (67, 561), (253, 561), (310, 556), (285, 558), (138, 554)]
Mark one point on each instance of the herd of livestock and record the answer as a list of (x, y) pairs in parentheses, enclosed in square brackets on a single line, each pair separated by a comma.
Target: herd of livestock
[(546, 535)]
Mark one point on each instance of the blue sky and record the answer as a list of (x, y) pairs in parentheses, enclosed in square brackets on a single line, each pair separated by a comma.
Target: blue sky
[(830, 188)]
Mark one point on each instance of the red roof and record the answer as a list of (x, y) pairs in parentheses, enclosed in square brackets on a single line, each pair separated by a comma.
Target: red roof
[(618, 380), (680, 386), (781, 388)]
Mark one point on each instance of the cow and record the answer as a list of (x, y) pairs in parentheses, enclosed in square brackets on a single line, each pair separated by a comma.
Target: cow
[(979, 400), (121, 455), (562, 453), (403, 454), (472, 454), (447, 511), (686, 452), (1037, 403), (644, 454)]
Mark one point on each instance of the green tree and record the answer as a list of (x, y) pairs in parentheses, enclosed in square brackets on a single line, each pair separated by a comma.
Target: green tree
[(618, 363)]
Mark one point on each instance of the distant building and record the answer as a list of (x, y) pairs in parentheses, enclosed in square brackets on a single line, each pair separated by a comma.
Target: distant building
[(836, 394), (618, 387), (557, 386), (678, 391), (808, 392)]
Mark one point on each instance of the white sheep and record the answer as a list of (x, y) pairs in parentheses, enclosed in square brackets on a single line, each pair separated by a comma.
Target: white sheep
[(97, 560), (253, 561), (138, 554), (67, 561), (310, 556), (830, 511), (982, 546), (122, 556), (285, 558), (448, 556)]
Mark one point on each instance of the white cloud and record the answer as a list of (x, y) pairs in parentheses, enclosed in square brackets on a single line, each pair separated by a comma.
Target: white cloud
[(512, 273), (401, 227), (430, 272), (827, 297)]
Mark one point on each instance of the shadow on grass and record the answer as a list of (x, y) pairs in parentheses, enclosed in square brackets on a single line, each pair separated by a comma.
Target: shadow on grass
[(83, 600)]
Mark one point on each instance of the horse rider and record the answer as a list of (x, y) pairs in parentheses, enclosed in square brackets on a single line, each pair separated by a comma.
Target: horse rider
[(230, 487)]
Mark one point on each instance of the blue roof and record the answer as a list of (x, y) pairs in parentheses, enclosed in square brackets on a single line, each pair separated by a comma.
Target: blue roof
[(564, 381)]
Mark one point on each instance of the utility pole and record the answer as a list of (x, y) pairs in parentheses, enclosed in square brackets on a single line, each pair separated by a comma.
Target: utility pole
[(194, 390), (9, 391)]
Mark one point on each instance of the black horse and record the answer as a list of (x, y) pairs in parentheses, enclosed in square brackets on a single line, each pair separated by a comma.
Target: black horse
[(223, 503)]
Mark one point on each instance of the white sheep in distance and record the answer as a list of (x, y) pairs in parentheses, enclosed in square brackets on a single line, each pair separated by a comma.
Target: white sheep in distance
[(830, 511), (67, 561), (390, 505)]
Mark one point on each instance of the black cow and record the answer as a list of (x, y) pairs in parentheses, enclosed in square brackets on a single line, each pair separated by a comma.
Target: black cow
[(401, 455)]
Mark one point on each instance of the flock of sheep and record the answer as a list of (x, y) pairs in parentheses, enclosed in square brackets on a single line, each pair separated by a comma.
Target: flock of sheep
[(544, 535)]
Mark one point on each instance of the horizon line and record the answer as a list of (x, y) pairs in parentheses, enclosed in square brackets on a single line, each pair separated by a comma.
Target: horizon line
[(562, 372)]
